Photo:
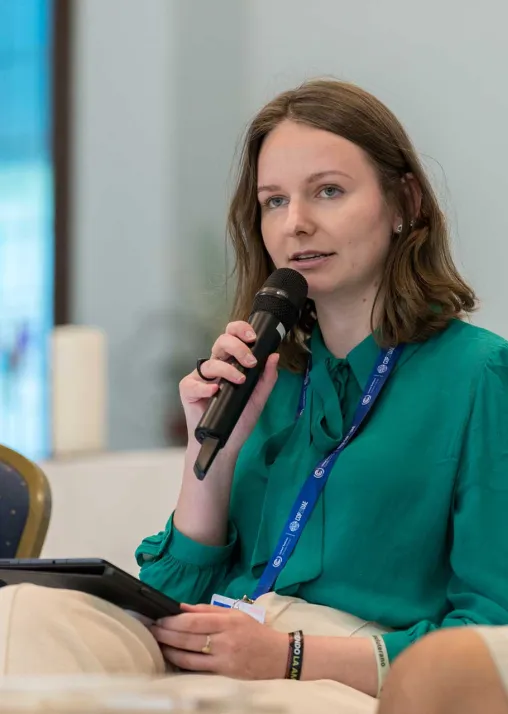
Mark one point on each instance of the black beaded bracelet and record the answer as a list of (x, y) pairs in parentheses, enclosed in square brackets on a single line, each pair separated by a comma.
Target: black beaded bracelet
[(295, 655)]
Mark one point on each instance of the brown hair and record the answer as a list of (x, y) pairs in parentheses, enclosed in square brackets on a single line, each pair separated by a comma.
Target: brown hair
[(422, 289)]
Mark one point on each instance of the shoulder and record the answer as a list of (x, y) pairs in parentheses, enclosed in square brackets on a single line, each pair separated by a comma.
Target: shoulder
[(467, 364), (467, 347), (459, 360)]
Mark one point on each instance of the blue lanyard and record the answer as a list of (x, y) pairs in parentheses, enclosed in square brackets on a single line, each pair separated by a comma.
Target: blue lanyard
[(311, 489)]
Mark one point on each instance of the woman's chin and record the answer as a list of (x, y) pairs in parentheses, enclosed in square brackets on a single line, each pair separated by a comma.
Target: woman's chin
[(320, 290), (323, 288)]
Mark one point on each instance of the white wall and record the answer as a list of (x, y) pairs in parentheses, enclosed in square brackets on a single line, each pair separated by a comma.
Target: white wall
[(158, 106), (441, 67), (121, 212), (163, 91)]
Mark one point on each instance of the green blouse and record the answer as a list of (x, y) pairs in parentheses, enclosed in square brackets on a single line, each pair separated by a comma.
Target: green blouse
[(411, 529)]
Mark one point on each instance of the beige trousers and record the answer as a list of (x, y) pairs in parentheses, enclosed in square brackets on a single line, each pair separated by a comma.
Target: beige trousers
[(59, 632), (496, 639)]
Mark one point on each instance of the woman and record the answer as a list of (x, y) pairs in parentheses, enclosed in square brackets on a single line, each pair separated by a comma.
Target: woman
[(409, 531), (408, 536)]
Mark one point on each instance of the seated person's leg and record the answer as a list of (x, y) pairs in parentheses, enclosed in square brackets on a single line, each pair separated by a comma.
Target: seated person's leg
[(62, 632), (496, 639), (48, 631), (448, 672)]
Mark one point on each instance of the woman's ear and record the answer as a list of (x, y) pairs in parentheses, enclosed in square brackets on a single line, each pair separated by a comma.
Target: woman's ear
[(414, 191)]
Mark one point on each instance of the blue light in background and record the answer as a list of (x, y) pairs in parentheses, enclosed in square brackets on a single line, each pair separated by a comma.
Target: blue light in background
[(26, 224)]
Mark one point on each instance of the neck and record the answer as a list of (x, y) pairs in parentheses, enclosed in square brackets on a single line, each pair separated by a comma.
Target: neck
[(345, 321)]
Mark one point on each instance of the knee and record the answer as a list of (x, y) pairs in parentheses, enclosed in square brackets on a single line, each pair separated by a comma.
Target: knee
[(43, 607), (82, 632), (26, 604), (440, 673)]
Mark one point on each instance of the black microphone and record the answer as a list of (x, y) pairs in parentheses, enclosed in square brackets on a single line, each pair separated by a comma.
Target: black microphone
[(276, 309)]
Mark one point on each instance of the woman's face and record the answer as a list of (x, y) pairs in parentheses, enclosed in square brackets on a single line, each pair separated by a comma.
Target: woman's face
[(320, 196)]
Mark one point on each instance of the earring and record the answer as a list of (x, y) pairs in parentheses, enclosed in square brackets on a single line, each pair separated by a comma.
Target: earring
[(412, 223), (399, 228)]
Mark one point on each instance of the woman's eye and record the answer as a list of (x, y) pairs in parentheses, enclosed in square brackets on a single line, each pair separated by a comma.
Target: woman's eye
[(275, 202), (330, 192)]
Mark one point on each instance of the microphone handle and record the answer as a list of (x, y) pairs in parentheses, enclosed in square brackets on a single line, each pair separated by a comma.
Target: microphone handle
[(227, 404)]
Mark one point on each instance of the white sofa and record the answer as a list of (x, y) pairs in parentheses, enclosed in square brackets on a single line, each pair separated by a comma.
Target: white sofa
[(104, 505)]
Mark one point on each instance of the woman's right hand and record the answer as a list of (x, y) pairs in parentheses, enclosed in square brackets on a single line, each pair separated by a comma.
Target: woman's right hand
[(195, 393)]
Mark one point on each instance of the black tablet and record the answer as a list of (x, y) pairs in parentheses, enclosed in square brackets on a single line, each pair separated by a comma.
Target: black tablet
[(93, 576)]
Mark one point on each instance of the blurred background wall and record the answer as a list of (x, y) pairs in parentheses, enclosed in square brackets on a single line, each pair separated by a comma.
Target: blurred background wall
[(161, 92), (123, 210), (159, 100)]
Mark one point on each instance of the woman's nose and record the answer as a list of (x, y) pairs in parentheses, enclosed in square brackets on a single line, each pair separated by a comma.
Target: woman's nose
[(299, 219)]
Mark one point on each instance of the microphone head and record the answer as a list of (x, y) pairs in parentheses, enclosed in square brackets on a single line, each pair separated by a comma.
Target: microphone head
[(283, 295)]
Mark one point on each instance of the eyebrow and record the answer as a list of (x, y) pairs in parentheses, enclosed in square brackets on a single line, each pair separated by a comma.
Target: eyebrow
[(310, 179)]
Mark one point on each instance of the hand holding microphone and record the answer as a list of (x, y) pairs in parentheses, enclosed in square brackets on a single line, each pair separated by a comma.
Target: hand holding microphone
[(196, 393), (276, 309)]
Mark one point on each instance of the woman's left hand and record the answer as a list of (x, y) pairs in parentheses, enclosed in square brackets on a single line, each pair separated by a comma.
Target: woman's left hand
[(239, 646)]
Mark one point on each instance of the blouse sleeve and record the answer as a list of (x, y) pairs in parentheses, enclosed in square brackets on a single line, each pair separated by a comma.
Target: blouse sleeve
[(183, 569), (478, 587)]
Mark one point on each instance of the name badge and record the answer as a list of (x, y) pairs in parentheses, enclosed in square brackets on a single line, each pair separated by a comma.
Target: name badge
[(258, 613)]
